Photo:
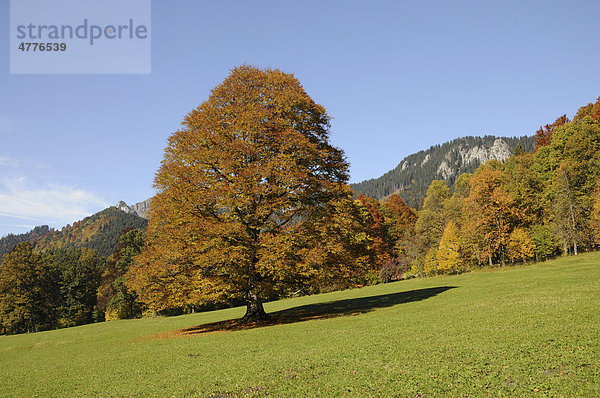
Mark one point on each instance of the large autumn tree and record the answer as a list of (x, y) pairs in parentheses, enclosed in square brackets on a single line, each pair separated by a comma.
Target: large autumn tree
[(245, 189), (493, 210)]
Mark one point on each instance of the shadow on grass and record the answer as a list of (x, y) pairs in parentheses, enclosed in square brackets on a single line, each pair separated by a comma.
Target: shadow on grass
[(331, 309)]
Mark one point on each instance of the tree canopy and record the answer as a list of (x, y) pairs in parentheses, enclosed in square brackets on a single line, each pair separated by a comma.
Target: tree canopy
[(242, 193)]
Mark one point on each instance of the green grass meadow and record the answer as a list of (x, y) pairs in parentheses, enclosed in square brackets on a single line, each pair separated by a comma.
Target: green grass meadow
[(516, 332)]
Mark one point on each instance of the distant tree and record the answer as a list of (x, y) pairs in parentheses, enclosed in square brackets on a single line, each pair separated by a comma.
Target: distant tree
[(431, 222), (591, 110), (596, 110), (462, 185), (114, 298), (584, 111), (525, 185), (382, 242), (401, 219), (9, 242), (79, 272), (568, 213), (413, 175), (494, 210), (544, 242), (474, 249), (448, 255), (394, 269), (430, 266), (544, 135), (24, 291), (520, 245), (518, 150), (251, 173)]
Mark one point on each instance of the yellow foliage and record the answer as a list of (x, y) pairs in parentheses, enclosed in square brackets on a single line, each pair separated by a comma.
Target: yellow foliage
[(449, 251), (520, 245), (431, 264), (595, 216)]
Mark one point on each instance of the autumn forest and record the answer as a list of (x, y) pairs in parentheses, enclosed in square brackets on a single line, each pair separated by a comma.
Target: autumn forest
[(253, 205)]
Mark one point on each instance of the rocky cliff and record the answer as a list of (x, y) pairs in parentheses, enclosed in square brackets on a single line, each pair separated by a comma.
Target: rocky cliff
[(139, 209)]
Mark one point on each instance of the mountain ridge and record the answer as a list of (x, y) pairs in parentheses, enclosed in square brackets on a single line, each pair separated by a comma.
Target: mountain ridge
[(140, 209), (99, 231), (411, 178)]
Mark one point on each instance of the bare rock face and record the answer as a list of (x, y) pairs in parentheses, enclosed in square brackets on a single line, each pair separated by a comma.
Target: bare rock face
[(499, 151), (140, 209), (444, 170), (123, 207)]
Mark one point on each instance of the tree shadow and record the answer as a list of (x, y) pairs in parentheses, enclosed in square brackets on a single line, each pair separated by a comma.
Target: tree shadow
[(331, 309)]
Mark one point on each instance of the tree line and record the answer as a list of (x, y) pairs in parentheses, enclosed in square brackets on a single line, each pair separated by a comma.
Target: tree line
[(536, 205), (99, 232), (252, 205), (67, 287)]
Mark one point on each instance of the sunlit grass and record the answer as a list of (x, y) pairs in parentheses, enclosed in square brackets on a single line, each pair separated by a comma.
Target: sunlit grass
[(523, 331)]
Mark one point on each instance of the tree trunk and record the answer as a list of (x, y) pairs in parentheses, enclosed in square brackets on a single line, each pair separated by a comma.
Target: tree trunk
[(574, 247), (154, 313), (254, 309), (565, 249), (32, 327)]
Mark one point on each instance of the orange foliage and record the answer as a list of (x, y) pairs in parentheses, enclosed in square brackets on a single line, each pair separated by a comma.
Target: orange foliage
[(240, 186)]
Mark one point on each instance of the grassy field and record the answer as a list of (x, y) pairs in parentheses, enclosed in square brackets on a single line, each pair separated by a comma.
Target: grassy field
[(526, 331)]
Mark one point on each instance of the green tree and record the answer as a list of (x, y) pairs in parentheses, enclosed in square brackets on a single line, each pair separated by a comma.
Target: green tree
[(525, 185), (544, 242), (79, 273), (544, 135), (114, 298), (431, 223), (25, 291), (241, 185)]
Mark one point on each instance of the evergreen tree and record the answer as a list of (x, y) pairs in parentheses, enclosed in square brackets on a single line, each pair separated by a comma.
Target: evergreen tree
[(114, 298), (79, 273)]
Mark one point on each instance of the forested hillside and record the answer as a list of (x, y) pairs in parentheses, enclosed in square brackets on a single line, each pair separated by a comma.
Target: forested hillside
[(8, 242), (447, 161), (538, 203), (99, 232)]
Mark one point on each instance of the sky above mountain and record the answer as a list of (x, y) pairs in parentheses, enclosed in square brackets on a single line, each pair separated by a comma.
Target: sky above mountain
[(396, 76)]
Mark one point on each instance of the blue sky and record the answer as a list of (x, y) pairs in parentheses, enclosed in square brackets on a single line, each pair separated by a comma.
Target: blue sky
[(396, 76)]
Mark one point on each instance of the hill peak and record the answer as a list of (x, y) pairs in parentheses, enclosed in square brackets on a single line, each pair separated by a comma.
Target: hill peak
[(140, 209)]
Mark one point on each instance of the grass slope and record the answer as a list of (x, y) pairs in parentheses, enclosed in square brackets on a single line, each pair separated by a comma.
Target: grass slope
[(527, 331)]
